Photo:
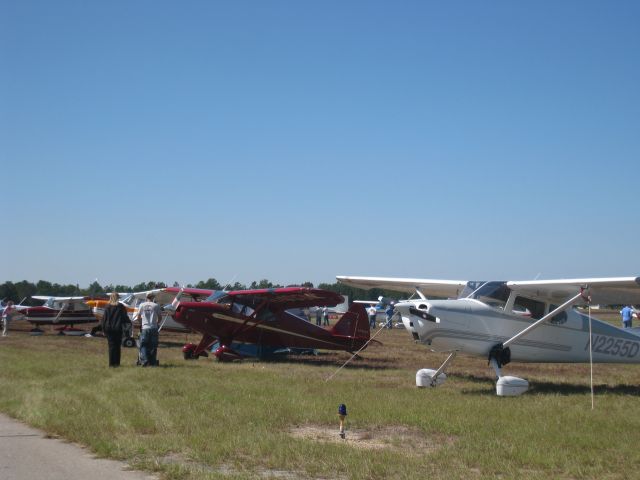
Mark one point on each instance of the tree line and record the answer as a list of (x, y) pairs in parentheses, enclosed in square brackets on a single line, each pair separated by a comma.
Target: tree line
[(23, 290)]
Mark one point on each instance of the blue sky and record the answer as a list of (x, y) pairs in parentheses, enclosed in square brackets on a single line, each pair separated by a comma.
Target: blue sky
[(295, 141)]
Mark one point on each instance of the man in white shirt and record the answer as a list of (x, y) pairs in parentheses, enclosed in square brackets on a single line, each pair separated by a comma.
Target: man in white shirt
[(373, 313), (149, 313)]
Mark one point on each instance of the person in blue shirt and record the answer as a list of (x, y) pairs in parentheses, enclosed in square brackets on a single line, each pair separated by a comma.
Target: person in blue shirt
[(389, 313), (627, 316)]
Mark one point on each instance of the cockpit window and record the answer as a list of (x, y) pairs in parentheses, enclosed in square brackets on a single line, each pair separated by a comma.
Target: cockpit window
[(494, 294), (219, 297), (471, 287)]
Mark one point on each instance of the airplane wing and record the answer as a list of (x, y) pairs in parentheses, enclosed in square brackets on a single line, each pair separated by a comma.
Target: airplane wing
[(291, 297), (166, 295), (428, 287), (59, 299), (607, 291), (188, 294)]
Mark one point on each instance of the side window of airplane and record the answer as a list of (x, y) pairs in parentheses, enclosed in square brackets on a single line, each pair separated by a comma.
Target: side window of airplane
[(559, 318), (266, 315), (529, 307)]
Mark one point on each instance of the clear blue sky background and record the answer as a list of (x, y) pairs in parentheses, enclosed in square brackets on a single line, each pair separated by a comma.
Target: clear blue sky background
[(294, 141)]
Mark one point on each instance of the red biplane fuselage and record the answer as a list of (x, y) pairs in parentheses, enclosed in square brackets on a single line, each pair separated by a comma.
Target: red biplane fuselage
[(264, 317)]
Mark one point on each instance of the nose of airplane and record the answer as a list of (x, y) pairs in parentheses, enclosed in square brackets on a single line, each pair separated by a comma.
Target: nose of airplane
[(413, 313)]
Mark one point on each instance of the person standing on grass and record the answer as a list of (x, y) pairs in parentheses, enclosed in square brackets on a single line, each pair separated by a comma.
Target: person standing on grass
[(7, 314), (325, 316), (389, 313), (115, 318), (318, 316), (627, 316), (149, 312), (372, 316)]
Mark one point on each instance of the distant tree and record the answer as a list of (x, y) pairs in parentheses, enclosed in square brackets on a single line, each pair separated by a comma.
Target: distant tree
[(264, 283), (117, 288), (307, 284), (209, 284), (44, 287), (140, 287), (24, 289), (95, 289), (237, 286), (8, 292), (65, 290)]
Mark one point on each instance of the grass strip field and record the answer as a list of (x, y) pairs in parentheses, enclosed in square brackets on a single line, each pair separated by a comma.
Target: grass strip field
[(203, 419)]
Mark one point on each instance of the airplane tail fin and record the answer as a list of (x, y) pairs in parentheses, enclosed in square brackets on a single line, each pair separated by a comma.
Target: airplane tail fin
[(353, 324)]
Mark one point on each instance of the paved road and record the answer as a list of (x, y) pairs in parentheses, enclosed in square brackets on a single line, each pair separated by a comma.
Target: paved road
[(26, 454)]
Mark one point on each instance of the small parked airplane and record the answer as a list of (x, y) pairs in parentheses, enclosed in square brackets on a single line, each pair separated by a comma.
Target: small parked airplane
[(526, 321), (264, 318), (162, 296), (64, 311)]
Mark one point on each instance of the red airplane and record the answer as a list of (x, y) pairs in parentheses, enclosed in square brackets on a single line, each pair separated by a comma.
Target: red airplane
[(264, 318)]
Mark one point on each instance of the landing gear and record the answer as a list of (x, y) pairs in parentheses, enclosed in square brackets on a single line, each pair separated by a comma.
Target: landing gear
[(189, 352), (129, 342), (432, 378), (506, 386)]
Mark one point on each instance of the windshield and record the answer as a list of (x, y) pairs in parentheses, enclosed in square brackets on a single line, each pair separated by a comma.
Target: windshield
[(494, 294), (471, 287), (216, 296), (129, 299)]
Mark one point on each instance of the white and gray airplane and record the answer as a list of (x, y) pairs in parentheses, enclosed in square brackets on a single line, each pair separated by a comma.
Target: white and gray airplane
[(525, 321)]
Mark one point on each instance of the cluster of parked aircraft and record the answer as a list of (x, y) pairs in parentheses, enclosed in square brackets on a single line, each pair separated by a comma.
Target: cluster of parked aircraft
[(270, 319), (527, 321)]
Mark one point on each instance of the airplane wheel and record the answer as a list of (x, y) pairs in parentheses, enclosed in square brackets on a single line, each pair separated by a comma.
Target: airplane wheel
[(129, 342), (189, 356), (95, 330)]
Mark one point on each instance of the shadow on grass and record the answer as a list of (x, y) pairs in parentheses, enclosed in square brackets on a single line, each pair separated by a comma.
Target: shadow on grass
[(572, 389), (318, 361), (538, 387)]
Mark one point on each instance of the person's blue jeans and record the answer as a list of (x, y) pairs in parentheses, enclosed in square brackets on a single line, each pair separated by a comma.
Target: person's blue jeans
[(148, 346)]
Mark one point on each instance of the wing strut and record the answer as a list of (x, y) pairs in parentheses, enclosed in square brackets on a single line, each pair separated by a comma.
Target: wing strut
[(500, 353), (64, 305), (434, 377)]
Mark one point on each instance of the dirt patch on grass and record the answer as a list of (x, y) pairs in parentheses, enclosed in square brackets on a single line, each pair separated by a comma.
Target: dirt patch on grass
[(398, 439)]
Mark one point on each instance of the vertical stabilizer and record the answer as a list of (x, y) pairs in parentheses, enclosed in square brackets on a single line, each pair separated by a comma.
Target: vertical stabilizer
[(353, 324)]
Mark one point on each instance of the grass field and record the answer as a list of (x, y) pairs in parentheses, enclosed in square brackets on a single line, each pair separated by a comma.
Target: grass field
[(203, 419)]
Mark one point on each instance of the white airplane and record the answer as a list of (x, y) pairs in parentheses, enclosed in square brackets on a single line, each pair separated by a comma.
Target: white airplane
[(63, 311), (528, 321)]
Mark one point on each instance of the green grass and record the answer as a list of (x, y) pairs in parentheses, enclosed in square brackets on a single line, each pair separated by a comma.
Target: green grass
[(209, 420)]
